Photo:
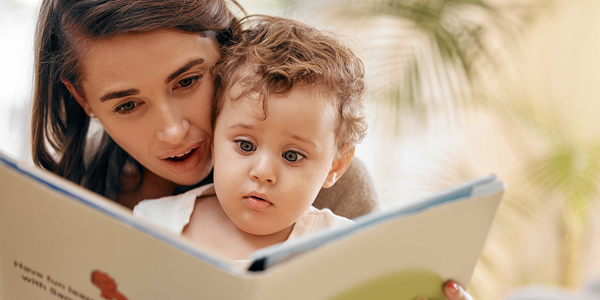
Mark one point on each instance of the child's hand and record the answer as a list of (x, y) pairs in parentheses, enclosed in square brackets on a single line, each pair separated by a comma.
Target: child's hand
[(453, 291)]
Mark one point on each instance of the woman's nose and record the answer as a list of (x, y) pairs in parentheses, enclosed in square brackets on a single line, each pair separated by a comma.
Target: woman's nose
[(174, 127), (264, 170)]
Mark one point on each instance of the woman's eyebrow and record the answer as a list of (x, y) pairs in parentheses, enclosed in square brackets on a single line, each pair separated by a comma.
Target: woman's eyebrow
[(131, 92), (119, 94), (183, 69)]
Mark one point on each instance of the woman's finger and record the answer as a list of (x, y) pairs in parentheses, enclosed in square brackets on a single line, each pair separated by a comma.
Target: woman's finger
[(455, 292)]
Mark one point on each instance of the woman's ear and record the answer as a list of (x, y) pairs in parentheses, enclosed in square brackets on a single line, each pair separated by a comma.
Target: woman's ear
[(84, 104), (212, 150), (339, 166)]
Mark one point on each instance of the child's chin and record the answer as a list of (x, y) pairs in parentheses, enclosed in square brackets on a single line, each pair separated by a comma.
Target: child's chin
[(259, 231)]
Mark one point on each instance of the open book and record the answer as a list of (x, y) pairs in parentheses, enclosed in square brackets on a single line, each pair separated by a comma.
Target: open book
[(61, 241)]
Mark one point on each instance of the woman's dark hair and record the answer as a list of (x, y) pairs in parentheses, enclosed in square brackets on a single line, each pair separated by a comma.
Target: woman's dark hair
[(64, 29)]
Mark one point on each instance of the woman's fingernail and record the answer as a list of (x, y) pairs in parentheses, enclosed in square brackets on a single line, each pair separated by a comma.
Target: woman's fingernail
[(452, 286)]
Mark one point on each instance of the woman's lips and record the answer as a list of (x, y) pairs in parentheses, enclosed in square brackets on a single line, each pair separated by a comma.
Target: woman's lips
[(257, 203), (182, 157), (185, 161)]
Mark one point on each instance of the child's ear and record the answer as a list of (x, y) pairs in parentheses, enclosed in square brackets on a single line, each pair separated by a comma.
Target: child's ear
[(339, 166), (80, 99)]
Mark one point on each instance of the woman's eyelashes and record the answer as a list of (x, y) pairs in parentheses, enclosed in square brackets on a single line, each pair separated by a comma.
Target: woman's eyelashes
[(188, 83), (127, 107)]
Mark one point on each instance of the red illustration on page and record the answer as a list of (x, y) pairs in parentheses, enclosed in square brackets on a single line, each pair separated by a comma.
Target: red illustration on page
[(107, 286)]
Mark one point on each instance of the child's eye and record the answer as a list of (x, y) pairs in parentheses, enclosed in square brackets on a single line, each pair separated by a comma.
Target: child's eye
[(246, 146), (126, 108), (292, 156)]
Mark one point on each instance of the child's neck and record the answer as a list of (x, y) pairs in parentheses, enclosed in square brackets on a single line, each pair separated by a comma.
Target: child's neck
[(210, 228)]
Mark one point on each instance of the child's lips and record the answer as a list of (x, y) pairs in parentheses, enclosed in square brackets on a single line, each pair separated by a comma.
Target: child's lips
[(257, 201)]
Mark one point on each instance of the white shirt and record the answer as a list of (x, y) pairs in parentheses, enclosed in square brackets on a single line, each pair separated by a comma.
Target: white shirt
[(172, 213)]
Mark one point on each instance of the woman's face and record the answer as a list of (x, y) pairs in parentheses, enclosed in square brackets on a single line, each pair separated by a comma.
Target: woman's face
[(152, 93)]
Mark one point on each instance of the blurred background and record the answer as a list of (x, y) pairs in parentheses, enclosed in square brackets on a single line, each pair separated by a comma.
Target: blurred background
[(456, 90)]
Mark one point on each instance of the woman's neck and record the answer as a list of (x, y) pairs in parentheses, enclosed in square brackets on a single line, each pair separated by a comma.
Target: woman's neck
[(152, 187)]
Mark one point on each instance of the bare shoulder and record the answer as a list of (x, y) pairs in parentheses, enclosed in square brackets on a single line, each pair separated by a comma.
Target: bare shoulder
[(206, 209)]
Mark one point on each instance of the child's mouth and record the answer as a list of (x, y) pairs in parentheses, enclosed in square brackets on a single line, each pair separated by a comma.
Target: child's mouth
[(257, 203)]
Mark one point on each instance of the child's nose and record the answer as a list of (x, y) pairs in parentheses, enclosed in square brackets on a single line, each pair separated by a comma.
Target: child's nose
[(264, 170)]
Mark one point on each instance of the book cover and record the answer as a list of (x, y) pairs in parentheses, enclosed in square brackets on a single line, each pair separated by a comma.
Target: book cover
[(61, 241)]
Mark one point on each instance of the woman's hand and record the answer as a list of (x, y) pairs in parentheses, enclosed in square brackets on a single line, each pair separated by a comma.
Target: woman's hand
[(455, 292)]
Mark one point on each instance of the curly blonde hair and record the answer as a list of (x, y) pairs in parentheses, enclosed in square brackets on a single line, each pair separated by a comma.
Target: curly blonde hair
[(272, 54)]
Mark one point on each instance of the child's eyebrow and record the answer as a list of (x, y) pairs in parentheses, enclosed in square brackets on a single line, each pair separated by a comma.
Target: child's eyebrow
[(298, 138), (240, 125), (291, 135)]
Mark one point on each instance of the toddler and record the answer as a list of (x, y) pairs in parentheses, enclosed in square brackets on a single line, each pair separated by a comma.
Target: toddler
[(287, 115)]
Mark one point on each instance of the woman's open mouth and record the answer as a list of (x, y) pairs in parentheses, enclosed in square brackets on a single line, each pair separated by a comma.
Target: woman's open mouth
[(183, 156), (184, 162)]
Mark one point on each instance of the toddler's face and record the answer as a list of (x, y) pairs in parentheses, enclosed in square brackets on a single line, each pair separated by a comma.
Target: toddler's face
[(268, 172)]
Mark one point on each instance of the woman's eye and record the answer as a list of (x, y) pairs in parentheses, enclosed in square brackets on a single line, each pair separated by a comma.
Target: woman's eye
[(292, 156), (246, 146), (188, 81), (126, 107)]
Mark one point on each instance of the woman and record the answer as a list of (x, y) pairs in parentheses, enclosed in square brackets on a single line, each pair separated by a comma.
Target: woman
[(70, 32), (156, 131), (140, 68)]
